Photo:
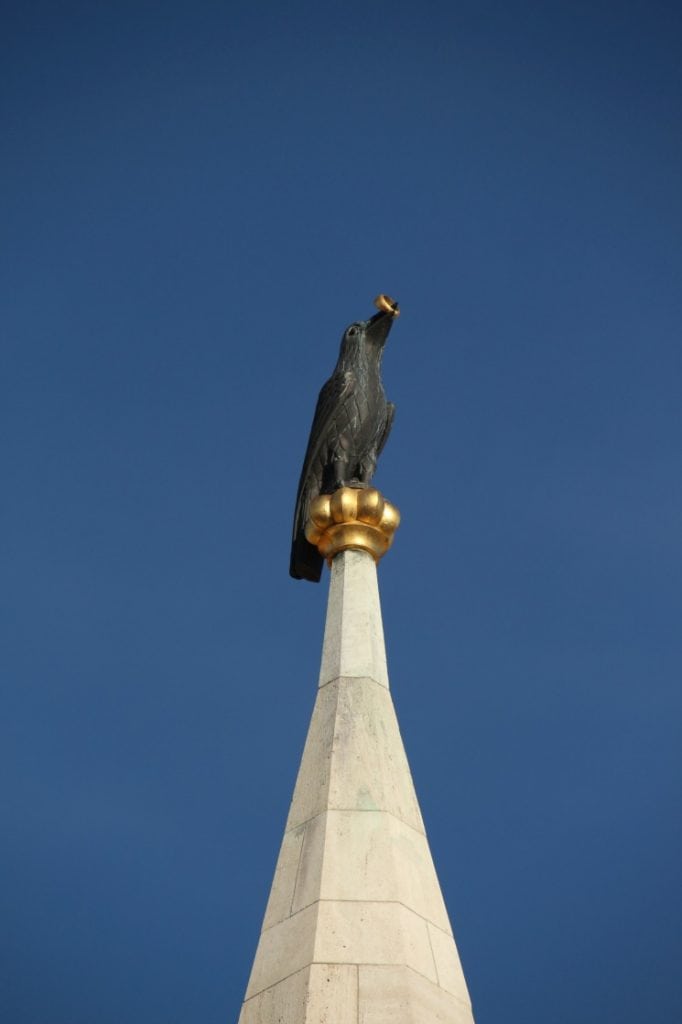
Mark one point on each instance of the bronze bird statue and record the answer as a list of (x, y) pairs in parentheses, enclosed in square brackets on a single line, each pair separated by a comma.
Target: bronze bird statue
[(351, 424)]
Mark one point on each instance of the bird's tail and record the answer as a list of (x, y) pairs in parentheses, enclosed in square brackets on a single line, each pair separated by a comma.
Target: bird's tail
[(306, 560)]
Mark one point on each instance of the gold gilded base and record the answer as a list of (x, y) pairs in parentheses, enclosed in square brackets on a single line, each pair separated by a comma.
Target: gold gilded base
[(352, 517)]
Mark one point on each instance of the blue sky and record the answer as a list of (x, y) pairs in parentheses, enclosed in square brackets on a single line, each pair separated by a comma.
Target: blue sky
[(196, 200)]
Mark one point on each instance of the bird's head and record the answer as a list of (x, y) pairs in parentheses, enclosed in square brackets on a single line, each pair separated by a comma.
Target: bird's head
[(373, 332)]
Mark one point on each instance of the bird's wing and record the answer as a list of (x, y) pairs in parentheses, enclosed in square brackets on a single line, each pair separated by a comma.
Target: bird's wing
[(333, 393), (390, 416)]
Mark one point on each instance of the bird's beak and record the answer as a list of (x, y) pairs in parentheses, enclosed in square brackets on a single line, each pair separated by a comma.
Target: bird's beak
[(378, 327)]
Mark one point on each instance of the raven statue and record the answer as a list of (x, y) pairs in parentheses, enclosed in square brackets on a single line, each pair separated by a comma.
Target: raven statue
[(351, 425)]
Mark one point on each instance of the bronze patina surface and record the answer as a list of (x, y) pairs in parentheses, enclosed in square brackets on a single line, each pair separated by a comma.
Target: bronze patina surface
[(350, 427)]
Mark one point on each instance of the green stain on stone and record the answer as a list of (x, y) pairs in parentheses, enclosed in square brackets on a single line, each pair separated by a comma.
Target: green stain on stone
[(365, 801)]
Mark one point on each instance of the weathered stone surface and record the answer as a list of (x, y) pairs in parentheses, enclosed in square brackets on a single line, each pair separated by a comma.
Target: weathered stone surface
[(448, 966), (355, 930), (312, 785), (354, 633), (371, 856), (373, 933), (354, 757), (319, 994), (283, 949), (396, 995), (284, 882)]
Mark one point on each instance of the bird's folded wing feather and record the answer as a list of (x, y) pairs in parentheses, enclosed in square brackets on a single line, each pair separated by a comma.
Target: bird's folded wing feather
[(390, 416), (333, 393)]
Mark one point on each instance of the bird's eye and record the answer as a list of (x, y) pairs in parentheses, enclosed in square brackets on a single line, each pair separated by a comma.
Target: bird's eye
[(352, 331)]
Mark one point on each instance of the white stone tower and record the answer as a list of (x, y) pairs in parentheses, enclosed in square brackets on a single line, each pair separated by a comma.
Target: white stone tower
[(355, 930)]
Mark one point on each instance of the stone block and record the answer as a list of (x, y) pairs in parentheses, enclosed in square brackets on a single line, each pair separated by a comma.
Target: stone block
[(397, 995), (354, 757), (284, 881), (448, 965), (312, 783), (373, 933), (369, 769), (371, 856), (319, 994), (354, 633), (283, 950)]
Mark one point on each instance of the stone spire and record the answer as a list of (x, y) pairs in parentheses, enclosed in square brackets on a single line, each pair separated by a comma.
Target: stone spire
[(355, 930)]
